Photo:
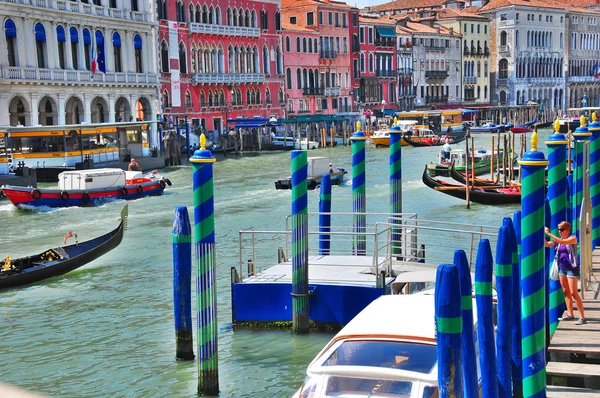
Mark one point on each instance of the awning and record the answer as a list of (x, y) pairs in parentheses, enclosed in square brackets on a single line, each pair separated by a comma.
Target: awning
[(390, 112), (315, 118), (467, 111), (386, 32)]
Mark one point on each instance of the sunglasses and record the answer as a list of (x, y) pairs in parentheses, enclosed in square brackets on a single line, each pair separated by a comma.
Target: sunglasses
[(561, 229)]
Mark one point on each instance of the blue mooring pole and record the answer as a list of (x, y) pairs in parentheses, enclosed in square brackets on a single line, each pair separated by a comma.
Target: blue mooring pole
[(484, 266), (396, 185), (325, 216), (517, 365), (182, 283), (300, 294), (448, 322), (504, 291), (359, 196), (469, 360)]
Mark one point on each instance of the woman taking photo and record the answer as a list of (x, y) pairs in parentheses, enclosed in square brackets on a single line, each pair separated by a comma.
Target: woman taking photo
[(568, 269)]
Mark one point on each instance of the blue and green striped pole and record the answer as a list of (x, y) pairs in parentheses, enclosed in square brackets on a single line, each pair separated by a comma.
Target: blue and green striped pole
[(469, 359), (504, 291), (359, 197), (325, 216), (581, 135), (484, 266), (594, 129), (396, 184), (514, 232), (533, 282), (300, 242), (206, 289), (181, 238), (558, 194), (448, 323)]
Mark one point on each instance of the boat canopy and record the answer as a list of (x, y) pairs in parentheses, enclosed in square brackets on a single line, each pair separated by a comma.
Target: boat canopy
[(253, 122), (312, 119)]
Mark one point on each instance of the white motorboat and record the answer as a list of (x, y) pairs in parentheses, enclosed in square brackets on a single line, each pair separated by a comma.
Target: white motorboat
[(305, 144)]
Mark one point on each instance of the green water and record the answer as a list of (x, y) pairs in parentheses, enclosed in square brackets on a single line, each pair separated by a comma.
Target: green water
[(107, 328)]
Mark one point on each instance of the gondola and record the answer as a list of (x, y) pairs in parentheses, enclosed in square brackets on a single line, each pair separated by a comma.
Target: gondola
[(459, 177), (59, 260), (455, 140), (482, 195)]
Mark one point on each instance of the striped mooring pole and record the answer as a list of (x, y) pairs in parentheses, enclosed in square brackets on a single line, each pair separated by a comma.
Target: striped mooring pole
[(594, 129), (533, 273), (359, 197), (469, 359), (182, 283), (448, 323), (514, 232), (581, 135), (504, 291), (484, 267), (558, 198), (300, 242), (396, 184), (206, 289), (325, 216)]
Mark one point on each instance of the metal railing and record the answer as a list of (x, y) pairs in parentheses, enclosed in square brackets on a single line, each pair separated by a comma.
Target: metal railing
[(391, 242), (67, 76), (224, 30), (332, 91), (436, 74), (312, 91), (385, 73), (227, 78), (436, 99), (470, 79), (385, 42), (88, 9), (328, 54), (435, 48)]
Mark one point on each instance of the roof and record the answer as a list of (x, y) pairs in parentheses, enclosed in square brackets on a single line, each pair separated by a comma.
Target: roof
[(456, 13), (493, 4), (298, 28), (407, 5), (313, 3), (363, 19), (416, 27), (581, 3)]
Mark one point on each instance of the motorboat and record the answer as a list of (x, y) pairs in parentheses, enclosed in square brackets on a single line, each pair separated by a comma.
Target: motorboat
[(487, 128), (89, 188), (381, 136), (380, 353), (317, 167), (458, 157), (305, 144)]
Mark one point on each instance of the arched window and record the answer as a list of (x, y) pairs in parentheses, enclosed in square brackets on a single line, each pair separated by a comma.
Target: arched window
[(87, 48), (198, 14), (210, 99), (137, 46), (61, 39), (266, 63), (297, 44), (211, 15), (165, 100), (182, 58), (40, 45), (478, 68), (503, 68), (298, 79), (117, 52), (192, 13), (188, 100), (134, 5), (10, 33), (279, 61), (288, 78), (362, 62), (517, 39), (288, 46), (310, 45), (503, 38), (371, 63), (304, 46), (99, 52), (159, 9), (164, 57), (485, 69), (180, 12), (280, 97), (165, 13), (202, 99), (316, 46)]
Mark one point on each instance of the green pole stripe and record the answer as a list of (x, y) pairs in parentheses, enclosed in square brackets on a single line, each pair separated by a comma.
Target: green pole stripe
[(558, 203), (534, 181), (325, 196), (534, 343), (533, 303), (181, 238), (206, 226), (449, 325), (532, 263), (535, 383), (467, 303), (203, 192), (483, 288), (530, 222), (503, 270)]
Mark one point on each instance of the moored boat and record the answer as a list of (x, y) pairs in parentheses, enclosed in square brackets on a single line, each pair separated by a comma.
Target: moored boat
[(89, 188), (435, 141), (520, 129), (59, 260), (381, 137), (486, 128), (317, 167), (459, 158), (482, 195), (462, 179)]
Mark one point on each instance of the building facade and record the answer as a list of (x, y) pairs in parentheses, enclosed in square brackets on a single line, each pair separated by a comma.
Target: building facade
[(475, 31), (220, 61), (377, 91), (49, 51), (404, 55)]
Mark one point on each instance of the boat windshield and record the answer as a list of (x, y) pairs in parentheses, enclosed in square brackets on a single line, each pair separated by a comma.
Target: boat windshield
[(412, 357), (338, 386)]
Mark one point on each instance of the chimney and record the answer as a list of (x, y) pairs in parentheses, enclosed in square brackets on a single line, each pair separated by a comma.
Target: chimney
[(451, 31), (437, 30)]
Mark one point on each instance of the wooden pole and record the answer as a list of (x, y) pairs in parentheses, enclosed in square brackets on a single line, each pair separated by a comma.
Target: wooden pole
[(472, 162), (504, 162), (498, 157), (492, 161), (467, 196)]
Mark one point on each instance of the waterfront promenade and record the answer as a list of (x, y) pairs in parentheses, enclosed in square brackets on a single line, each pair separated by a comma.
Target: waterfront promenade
[(575, 350)]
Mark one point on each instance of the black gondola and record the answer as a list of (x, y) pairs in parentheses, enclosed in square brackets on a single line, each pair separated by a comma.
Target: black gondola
[(459, 177), (455, 140), (484, 196), (60, 260)]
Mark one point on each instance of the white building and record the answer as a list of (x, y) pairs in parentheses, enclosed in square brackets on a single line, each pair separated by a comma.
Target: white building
[(404, 51), (46, 52)]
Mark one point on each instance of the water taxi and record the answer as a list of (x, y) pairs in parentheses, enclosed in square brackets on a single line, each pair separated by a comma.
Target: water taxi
[(445, 121), (483, 159), (317, 166), (388, 349)]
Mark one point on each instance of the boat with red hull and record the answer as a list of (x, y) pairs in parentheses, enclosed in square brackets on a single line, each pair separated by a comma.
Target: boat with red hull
[(79, 189)]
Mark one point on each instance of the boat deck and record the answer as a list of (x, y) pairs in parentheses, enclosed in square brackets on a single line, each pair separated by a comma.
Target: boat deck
[(578, 343), (342, 270)]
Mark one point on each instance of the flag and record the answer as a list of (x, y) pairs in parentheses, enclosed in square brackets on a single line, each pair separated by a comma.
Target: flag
[(94, 58), (595, 70)]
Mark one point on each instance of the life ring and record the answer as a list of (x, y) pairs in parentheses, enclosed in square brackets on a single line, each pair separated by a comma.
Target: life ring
[(36, 194), (124, 191), (140, 189), (168, 182), (64, 195), (162, 184), (85, 197)]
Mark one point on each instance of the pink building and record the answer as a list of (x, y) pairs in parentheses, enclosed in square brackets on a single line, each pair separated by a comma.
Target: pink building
[(321, 76), (378, 65)]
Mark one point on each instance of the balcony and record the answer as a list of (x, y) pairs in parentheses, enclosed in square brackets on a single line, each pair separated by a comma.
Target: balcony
[(470, 79), (405, 49), (74, 76), (504, 49), (582, 79), (332, 91), (223, 30), (385, 73), (312, 91), (436, 74), (87, 9), (228, 78), (537, 81), (436, 100), (469, 99), (466, 51), (435, 48), (502, 82), (327, 54), (387, 42), (405, 71)]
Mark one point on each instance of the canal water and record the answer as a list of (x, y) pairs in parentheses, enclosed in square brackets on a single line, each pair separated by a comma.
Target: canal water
[(107, 328)]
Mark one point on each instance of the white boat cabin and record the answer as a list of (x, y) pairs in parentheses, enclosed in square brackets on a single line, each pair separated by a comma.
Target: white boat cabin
[(459, 157)]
